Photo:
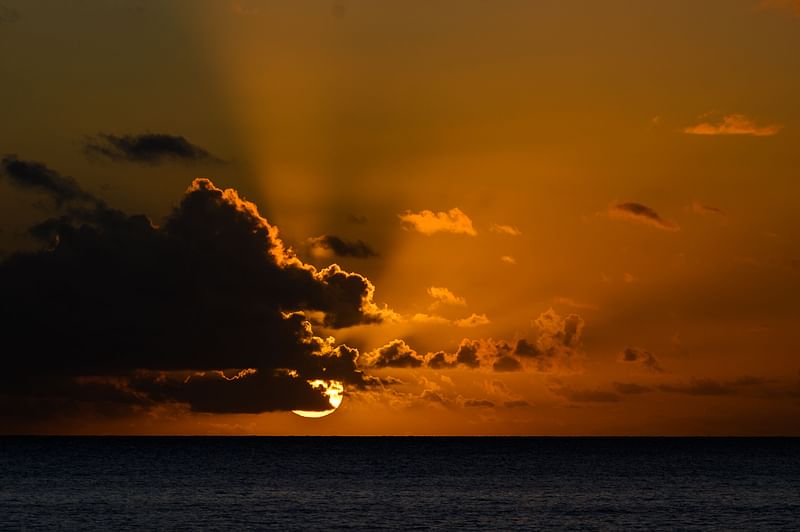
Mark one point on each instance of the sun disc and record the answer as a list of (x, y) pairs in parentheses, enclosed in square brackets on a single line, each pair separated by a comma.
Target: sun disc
[(335, 392)]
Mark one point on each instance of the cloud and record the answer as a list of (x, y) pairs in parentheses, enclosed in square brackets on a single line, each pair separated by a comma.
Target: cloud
[(516, 403), (631, 388), (505, 230), (474, 320), (357, 219), (395, 354), (733, 124), (150, 148), (444, 296), (166, 314), (478, 403), (36, 176), (508, 259), (506, 363), (8, 15), (584, 396), (430, 318), (429, 222), (636, 212), (706, 210), (635, 355), (325, 244), (711, 387)]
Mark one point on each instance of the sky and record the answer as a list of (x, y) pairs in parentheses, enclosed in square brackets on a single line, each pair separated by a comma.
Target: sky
[(518, 217)]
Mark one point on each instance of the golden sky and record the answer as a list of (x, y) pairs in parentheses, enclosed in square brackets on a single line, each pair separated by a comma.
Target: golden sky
[(549, 217)]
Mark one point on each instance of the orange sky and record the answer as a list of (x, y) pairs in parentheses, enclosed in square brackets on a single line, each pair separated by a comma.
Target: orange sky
[(612, 183)]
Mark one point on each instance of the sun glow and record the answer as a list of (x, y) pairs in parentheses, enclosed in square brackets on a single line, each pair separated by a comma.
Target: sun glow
[(335, 392)]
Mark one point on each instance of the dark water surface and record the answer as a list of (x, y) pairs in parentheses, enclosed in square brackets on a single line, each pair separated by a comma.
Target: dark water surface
[(115, 483)]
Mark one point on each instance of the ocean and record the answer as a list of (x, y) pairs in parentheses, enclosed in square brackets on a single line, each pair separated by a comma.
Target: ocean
[(309, 483)]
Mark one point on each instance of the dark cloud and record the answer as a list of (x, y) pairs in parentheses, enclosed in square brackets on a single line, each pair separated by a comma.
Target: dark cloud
[(478, 403), (207, 309), (432, 396), (524, 348), (8, 15), (631, 388), (395, 354), (342, 248), (36, 176), (636, 212), (712, 387), (517, 403), (148, 148), (585, 396), (506, 363), (634, 355)]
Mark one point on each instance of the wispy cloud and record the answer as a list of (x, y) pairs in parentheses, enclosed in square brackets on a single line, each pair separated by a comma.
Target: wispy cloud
[(508, 259), (636, 212), (444, 296), (475, 320), (505, 229), (429, 222), (706, 210), (634, 355), (569, 302), (733, 124)]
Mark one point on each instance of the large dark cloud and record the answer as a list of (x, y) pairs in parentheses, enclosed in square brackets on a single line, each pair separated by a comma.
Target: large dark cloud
[(395, 354), (342, 248), (148, 148), (174, 313)]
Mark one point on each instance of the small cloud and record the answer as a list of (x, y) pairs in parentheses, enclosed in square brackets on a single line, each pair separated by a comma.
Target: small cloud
[(357, 219), (478, 403), (429, 318), (569, 302), (634, 355), (443, 296), (149, 148), (584, 396), (429, 222), (706, 210), (636, 212), (629, 278), (8, 15), (327, 244), (516, 403), (733, 124), (505, 229), (506, 363), (631, 388), (395, 354), (475, 320), (508, 259)]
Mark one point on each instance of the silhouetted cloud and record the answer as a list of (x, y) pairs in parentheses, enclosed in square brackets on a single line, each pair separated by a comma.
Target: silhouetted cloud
[(636, 212), (584, 395), (357, 219), (395, 354), (631, 388), (429, 222), (733, 124), (342, 248), (208, 309), (505, 363), (36, 176), (635, 355), (713, 387), (516, 403), (700, 208), (8, 15), (478, 403), (148, 148)]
